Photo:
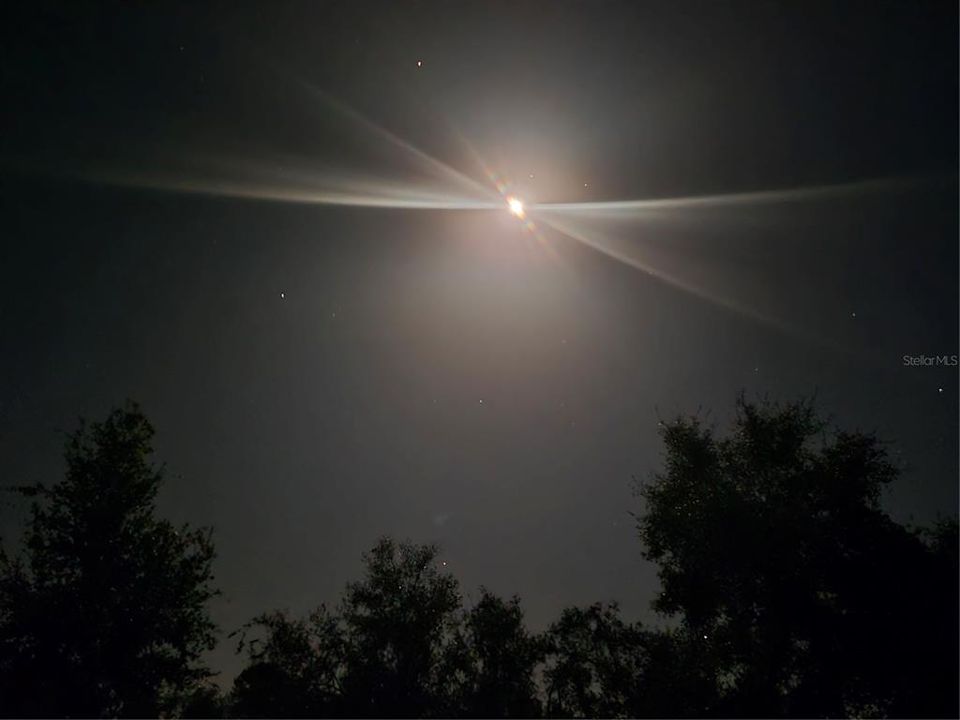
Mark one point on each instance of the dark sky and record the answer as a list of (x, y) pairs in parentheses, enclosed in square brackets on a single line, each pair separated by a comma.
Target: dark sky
[(322, 374)]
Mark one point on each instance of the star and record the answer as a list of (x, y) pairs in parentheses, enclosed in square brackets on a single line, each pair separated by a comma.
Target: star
[(419, 63), (283, 296)]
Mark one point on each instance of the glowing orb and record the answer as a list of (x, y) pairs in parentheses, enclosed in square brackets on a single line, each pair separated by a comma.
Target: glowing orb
[(516, 207)]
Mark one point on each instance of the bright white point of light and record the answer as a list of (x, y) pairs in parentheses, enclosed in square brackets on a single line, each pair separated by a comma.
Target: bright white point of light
[(516, 206), (939, 390), (419, 63), (283, 296)]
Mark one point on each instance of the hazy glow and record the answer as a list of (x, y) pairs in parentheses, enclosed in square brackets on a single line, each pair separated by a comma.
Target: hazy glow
[(427, 183), (321, 189), (618, 207)]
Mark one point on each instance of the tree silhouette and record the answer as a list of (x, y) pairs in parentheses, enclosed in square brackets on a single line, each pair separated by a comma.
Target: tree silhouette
[(405, 656), (295, 671), (205, 700), (503, 659), (594, 663), (679, 677), (105, 613), (396, 647), (788, 592), (400, 645), (600, 666), (773, 550), (792, 594)]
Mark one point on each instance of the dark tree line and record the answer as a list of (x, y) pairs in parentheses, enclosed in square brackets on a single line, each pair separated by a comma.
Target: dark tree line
[(787, 591)]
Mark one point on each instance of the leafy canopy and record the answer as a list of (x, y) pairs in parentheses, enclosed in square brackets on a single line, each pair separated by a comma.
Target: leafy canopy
[(105, 612)]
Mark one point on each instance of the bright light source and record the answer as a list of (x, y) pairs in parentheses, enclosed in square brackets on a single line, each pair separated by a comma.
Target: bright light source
[(516, 206)]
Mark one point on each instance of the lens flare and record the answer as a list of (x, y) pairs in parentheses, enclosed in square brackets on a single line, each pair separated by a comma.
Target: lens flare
[(516, 207)]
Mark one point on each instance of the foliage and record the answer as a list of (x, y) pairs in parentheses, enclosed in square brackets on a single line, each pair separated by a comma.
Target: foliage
[(395, 647), (595, 663), (772, 544), (295, 672), (786, 589), (504, 657), (105, 614), (401, 622), (400, 644), (204, 700)]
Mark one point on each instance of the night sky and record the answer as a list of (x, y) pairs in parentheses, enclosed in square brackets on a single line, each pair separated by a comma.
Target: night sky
[(280, 229)]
